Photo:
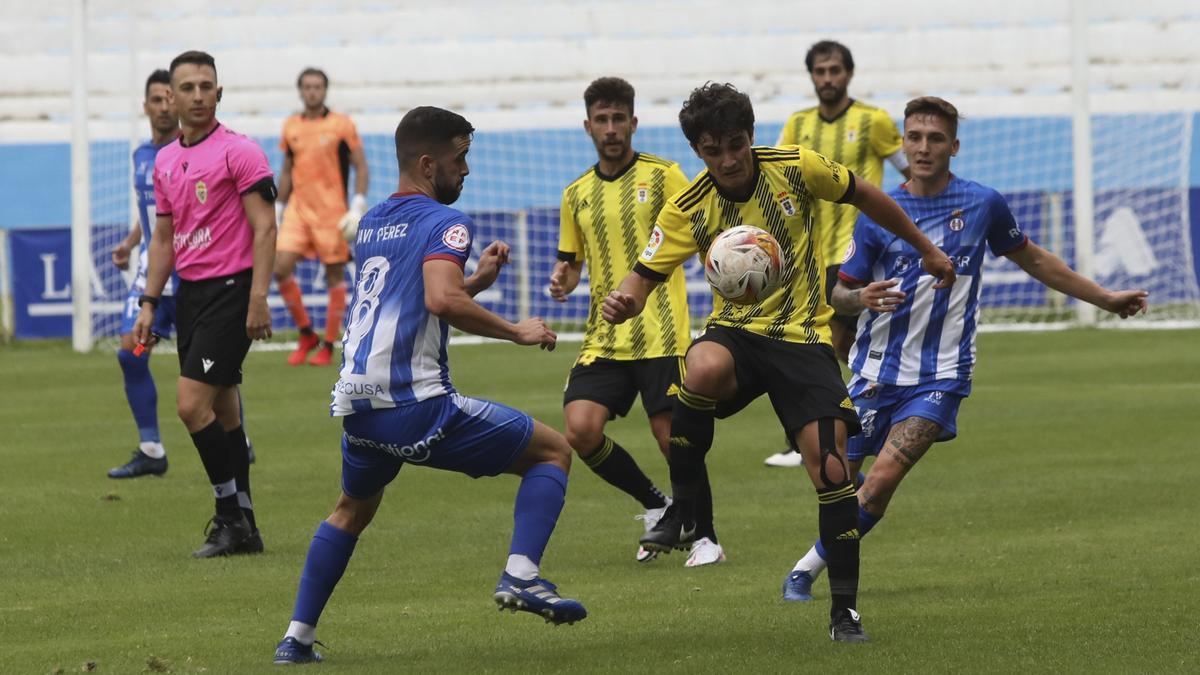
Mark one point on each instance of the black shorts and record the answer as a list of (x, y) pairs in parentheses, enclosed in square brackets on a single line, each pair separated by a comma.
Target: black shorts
[(210, 324), (850, 322), (803, 381), (614, 384)]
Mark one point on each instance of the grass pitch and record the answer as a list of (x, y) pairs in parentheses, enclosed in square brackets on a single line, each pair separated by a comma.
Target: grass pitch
[(1055, 534)]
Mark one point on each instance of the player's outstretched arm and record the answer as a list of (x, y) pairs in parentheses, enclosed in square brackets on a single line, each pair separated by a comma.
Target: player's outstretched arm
[(493, 258), (446, 297), (878, 296), (885, 211), (1053, 272), (629, 299), (565, 278)]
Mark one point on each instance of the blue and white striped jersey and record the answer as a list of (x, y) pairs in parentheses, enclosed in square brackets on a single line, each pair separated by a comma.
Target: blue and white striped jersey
[(394, 350), (932, 334), (143, 188)]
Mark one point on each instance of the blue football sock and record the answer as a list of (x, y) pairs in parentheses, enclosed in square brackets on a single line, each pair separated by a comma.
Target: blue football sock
[(539, 501), (141, 393), (866, 522), (328, 555)]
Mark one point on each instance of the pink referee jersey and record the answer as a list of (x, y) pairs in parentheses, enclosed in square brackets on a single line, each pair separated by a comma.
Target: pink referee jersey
[(200, 186)]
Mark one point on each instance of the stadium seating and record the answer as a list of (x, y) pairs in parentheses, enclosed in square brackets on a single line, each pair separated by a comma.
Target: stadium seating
[(518, 56)]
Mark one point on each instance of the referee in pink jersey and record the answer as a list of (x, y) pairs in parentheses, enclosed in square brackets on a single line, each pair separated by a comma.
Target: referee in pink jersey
[(215, 224)]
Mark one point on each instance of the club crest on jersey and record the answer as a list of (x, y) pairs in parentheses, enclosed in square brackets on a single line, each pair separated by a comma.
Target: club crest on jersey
[(457, 238), (956, 221), (851, 135), (656, 240), (643, 193), (785, 201), (201, 191)]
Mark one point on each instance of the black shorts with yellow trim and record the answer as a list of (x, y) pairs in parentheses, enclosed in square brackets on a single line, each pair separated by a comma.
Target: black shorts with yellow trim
[(614, 384), (803, 381)]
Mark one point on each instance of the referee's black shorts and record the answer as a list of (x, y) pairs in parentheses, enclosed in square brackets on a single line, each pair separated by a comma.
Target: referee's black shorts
[(803, 381), (614, 384), (211, 328)]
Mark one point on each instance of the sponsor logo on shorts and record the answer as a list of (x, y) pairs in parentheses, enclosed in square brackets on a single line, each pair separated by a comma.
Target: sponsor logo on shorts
[(457, 238), (207, 363), (415, 452), (866, 420), (934, 397)]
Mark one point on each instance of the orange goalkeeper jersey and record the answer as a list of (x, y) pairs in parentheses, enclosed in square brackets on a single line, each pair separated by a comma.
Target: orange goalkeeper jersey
[(320, 150)]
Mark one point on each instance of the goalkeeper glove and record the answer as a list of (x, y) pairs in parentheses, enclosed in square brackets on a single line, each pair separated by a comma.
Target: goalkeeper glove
[(349, 222), (279, 209)]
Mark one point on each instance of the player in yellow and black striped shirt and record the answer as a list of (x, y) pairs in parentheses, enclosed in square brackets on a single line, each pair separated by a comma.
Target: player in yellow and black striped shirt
[(606, 217), (857, 136), (779, 346)]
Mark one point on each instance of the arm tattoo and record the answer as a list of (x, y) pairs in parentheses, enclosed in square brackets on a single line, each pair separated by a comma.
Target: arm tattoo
[(910, 440)]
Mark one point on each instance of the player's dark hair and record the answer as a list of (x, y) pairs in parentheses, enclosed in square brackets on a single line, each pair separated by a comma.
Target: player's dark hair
[(159, 76), (194, 57), (424, 129), (717, 110), (825, 48), (312, 71), (610, 90), (938, 107)]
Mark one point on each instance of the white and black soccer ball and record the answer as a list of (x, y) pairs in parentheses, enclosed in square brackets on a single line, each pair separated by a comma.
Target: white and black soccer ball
[(744, 265)]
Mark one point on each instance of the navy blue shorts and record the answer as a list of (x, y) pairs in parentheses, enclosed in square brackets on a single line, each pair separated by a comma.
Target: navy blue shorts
[(881, 406), (453, 432)]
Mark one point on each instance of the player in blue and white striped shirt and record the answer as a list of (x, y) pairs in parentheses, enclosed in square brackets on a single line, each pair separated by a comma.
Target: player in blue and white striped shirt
[(914, 352), (394, 392)]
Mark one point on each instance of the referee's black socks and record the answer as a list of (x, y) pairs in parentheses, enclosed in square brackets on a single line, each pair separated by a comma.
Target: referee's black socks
[(240, 451), (691, 439), (214, 446), (616, 466)]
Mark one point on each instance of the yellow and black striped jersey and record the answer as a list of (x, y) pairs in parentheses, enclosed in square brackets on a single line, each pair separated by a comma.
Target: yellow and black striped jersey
[(859, 139), (789, 182), (605, 221)]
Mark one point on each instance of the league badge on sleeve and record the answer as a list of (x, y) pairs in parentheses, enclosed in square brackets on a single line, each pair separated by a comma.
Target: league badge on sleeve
[(849, 252), (656, 240), (457, 238)]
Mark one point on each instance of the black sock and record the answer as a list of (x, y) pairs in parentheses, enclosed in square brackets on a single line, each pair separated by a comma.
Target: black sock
[(616, 466), (326, 344), (306, 330), (691, 438), (241, 471), (704, 511), (213, 444), (838, 523)]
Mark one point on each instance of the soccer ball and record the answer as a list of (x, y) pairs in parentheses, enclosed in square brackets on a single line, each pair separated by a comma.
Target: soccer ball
[(744, 264)]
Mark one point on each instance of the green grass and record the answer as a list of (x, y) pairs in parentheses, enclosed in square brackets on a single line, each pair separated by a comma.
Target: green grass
[(1056, 534)]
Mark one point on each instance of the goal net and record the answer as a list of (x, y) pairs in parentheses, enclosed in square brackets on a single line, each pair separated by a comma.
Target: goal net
[(1142, 230)]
